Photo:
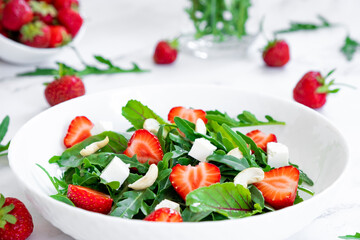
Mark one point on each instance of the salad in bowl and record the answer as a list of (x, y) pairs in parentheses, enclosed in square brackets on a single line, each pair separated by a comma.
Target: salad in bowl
[(196, 166)]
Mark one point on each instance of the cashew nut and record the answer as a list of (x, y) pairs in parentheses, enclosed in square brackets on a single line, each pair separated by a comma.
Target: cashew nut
[(200, 126), (235, 153), (93, 147), (152, 125), (249, 176), (147, 180), (168, 204)]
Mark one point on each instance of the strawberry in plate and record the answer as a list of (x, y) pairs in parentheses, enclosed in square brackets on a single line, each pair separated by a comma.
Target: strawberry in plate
[(279, 186), (187, 113), (79, 129), (164, 215), (261, 139)]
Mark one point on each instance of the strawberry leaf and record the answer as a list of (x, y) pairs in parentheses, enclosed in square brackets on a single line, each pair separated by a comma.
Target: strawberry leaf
[(228, 199), (355, 236), (136, 113)]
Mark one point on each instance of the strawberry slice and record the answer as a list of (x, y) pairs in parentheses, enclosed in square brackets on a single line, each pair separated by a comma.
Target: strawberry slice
[(261, 139), (164, 215), (188, 114), (89, 199), (79, 130), (146, 146), (188, 178), (279, 186)]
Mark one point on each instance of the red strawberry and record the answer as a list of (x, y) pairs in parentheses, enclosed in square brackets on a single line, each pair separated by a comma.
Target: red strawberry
[(261, 139), (279, 186), (311, 90), (79, 129), (146, 146), (59, 36), (71, 20), (276, 53), (36, 34), (60, 4), (16, 13), (63, 89), (15, 220), (89, 199), (43, 11), (164, 215), (188, 114), (188, 178), (166, 52)]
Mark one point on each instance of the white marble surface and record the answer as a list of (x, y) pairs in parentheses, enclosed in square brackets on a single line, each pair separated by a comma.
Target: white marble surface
[(127, 31)]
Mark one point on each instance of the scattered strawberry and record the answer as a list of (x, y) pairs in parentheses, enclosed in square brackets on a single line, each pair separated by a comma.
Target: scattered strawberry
[(43, 11), (59, 36), (166, 52), (79, 129), (188, 114), (312, 90), (60, 4), (261, 139), (146, 146), (279, 186), (15, 220), (63, 89), (36, 34), (164, 215), (16, 13), (89, 199), (71, 20), (276, 53), (188, 178)]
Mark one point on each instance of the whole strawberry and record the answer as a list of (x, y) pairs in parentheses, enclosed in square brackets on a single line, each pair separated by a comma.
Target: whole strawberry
[(60, 4), (16, 13), (15, 220), (43, 11), (166, 52), (276, 53), (59, 36), (71, 20), (64, 88), (35, 34), (312, 89)]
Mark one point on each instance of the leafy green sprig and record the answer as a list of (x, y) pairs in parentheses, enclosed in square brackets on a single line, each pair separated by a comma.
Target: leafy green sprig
[(3, 130), (355, 236), (349, 48), (109, 68), (304, 26)]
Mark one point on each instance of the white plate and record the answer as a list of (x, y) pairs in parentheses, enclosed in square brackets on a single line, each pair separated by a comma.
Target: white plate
[(314, 143)]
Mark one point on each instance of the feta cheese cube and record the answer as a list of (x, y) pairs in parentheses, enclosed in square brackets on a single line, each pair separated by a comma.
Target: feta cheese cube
[(168, 204), (116, 170), (152, 125), (277, 154), (201, 149), (200, 126)]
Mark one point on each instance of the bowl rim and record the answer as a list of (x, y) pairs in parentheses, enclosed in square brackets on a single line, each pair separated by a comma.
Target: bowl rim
[(89, 214)]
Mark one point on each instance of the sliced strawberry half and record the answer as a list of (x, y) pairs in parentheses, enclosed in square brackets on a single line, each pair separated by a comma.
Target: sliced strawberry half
[(279, 186), (79, 130), (89, 199), (164, 215), (188, 114), (261, 139), (188, 178), (146, 146)]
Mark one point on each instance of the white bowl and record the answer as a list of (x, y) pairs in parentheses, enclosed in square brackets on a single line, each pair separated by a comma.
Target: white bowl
[(18, 53), (314, 143)]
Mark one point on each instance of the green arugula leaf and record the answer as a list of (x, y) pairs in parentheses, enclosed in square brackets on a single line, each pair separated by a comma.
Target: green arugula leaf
[(349, 48), (133, 201), (60, 186), (244, 119), (238, 140), (231, 161), (3, 130), (301, 26), (62, 198), (189, 216), (88, 70), (257, 196), (136, 113), (226, 198), (355, 236)]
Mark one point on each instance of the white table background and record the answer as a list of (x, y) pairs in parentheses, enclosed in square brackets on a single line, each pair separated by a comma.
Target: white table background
[(128, 30)]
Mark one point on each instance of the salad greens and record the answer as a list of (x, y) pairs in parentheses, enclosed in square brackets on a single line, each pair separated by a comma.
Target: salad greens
[(355, 236), (349, 48), (109, 68), (303, 26), (223, 200), (3, 129)]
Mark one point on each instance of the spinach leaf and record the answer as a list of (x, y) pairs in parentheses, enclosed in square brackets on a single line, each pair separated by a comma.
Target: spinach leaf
[(136, 113), (256, 196), (189, 216), (228, 199), (231, 161)]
